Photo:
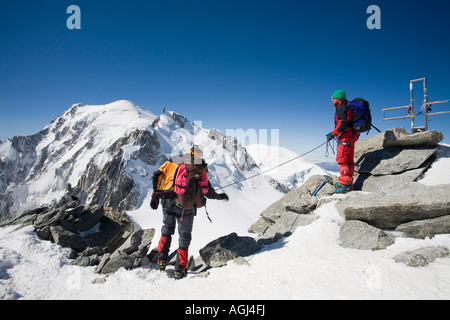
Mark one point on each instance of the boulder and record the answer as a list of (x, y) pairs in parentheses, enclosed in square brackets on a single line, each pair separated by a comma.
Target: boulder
[(370, 183), (426, 228), (218, 252), (114, 263), (130, 254), (50, 218), (89, 257), (359, 235), (397, 137), (422, 257), (66, 238), (139, 239), (89, 218), (293, 210), (393, 158), (389, 210)]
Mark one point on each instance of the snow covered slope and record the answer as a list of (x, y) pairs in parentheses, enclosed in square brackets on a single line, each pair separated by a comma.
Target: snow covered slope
[(310, 264)]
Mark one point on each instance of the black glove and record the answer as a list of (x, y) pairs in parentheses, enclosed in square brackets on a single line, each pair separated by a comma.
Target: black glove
[(154, 202), (330, 136), (222, 196)]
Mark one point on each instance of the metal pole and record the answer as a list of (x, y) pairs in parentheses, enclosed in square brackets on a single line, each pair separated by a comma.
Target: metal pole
[(425, 101), (411, 105)]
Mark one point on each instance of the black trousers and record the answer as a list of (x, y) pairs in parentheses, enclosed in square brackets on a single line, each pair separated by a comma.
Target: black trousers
[(173, 215)]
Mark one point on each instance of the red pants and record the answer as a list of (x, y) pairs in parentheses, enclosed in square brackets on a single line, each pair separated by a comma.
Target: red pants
[(344, 157)]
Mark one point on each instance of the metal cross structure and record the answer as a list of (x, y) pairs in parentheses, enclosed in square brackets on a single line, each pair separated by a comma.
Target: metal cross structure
[(425, 108)]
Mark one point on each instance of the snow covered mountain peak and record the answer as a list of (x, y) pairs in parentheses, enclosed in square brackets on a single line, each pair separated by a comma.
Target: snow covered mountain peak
[(106, 154), (39, 168)]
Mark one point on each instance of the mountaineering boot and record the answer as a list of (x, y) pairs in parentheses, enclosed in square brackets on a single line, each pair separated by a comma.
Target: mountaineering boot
[(180, 265), (343, 188), (180, 272), (162, 265)]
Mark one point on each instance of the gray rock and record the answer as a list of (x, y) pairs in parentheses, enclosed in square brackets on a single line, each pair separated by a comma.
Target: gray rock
[(389, 210), (426, 228), (367, 182), (401, 138), (359, 235), (89, 218), (397, 137), (131, 254), (393, 160), (293, 210), (218, 252), (51, 218), (26, 218), (139, 239), (422, 257), (121, 259), (67, 238), (89, 257)]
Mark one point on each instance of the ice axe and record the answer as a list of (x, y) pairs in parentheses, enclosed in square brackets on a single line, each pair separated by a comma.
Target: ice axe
[(327, 178)]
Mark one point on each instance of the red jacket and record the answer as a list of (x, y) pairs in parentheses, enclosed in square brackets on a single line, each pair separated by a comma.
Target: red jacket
[(343, 123), (343, 118)]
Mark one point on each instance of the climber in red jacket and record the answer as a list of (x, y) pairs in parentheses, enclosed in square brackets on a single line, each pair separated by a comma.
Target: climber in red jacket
[(346, 138)]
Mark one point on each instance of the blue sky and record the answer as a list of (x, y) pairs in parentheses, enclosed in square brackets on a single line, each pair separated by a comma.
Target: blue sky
[(230, 64)]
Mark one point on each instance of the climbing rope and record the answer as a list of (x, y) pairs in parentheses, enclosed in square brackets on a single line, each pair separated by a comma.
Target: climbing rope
[(281, 164)]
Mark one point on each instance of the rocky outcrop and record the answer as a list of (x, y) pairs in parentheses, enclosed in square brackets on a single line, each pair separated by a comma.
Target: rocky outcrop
[(293, 210), (98, 236), (387, 166), (391, 209), (393, 157), (131, 254)]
